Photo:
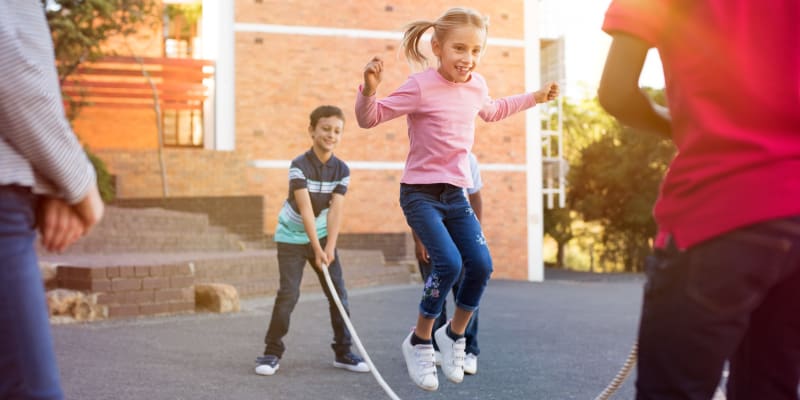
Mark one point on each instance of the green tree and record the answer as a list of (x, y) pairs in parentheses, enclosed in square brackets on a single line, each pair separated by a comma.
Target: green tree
[(584, 122), (79, 29), (616, 183), (558, 225)]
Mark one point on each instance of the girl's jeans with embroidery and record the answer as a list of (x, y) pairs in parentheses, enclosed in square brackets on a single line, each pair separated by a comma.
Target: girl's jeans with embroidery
[(445, 223)]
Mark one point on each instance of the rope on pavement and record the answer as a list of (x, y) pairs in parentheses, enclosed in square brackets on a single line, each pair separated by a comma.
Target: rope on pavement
[(626, 369), (356, 340), (621, 375)]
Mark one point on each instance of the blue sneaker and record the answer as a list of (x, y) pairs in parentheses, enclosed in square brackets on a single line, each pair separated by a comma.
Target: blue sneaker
[(350, 362), (267, 365)]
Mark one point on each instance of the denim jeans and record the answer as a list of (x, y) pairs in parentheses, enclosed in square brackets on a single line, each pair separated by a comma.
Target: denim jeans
[(733, 298), (471, 333), (28, 368), (446, 225), (291, 262)]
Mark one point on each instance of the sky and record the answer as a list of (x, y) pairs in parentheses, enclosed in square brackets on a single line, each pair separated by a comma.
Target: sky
[(586, 46)]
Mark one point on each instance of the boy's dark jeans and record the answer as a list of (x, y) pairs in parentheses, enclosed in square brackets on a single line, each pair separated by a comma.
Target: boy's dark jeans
[(291, 262), (733, 298)]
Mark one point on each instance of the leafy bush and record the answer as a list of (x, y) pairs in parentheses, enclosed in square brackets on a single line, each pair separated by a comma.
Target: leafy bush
[(105, 181)]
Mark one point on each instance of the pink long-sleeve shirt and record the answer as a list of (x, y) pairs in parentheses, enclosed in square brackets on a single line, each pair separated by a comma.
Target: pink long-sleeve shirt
[(441, 122)]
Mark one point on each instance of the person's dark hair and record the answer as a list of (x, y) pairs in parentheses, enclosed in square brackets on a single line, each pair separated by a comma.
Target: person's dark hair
[(324, 112)]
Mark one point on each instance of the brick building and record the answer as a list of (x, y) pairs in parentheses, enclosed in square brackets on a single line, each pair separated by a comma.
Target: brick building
[(275, 60)]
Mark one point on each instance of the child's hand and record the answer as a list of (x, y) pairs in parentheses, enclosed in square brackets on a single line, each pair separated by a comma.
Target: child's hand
[(330, 253), (372, 76), (59, 224), (547, 93), (320, 258)]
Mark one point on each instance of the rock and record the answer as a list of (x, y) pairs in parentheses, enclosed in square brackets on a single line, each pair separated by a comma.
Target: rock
[(62, 301), (216, 297), (65, 304)]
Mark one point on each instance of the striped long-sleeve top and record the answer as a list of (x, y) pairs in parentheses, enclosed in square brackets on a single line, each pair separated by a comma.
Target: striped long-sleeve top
[(37, 146)]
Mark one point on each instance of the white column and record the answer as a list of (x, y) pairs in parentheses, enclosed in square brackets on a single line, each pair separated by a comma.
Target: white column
[(533, 147), (218, 44)]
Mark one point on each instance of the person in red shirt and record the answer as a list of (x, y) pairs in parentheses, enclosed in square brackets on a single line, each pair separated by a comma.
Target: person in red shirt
[(724, 283)]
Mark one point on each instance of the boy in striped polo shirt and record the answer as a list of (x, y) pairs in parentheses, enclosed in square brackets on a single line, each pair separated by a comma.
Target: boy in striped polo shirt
[(308, 227)]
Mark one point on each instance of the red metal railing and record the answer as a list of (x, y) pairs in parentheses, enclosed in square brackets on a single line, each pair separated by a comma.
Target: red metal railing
[(119, 82)]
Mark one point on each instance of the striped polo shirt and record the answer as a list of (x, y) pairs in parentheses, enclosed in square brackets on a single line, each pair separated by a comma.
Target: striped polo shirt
[(321, 180)]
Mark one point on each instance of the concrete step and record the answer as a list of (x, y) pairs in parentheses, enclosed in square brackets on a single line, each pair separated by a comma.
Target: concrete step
[(155, 230), (154, 241), (116, 218)]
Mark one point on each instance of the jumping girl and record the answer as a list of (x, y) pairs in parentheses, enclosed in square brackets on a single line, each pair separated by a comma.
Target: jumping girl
[(440, 106)]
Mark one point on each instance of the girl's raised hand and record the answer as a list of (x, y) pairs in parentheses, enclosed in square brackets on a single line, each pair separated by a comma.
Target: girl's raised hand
[(547, 93), (372, 76)]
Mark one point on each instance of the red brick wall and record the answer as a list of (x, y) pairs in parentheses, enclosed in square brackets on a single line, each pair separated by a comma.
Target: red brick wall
[(190, 172)]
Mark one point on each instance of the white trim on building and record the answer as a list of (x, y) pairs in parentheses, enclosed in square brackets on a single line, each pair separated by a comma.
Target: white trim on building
[(350, 33), (218, 45), (533, 147), (384, 165)]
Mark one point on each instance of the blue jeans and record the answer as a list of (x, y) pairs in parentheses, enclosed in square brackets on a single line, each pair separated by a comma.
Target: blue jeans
[(733, 298), (446, 225), (471, 333), (28, 368), (291, 262)]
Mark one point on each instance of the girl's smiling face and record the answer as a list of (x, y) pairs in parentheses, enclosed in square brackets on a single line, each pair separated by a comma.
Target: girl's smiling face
[(459, 52)]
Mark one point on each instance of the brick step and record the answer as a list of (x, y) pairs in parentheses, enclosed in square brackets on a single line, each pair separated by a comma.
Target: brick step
[(145, 241), (117, 218), (155, 230), (140, 284)]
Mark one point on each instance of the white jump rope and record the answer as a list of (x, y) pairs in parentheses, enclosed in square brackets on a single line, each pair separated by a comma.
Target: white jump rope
[(612, 387), (356, 340)]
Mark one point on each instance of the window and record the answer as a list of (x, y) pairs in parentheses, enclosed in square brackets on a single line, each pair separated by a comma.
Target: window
[(183, 128)]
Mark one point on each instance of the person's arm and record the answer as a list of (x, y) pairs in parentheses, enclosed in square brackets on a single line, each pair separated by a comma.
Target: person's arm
[(303, 200), (619, 92), (334, 224), (370, 111), (474, 192), (32, 116), (476, 202), (32, 120), (498, 109), (419, 249)]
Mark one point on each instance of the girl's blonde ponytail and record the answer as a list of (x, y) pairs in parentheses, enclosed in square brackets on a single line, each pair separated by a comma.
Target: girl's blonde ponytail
[(413, 33)]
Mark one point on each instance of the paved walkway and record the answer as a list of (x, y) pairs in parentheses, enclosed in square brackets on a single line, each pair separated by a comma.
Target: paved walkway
[(561, 339)]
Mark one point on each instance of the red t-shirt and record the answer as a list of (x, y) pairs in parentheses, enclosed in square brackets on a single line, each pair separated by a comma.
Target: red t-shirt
[(732, 73)]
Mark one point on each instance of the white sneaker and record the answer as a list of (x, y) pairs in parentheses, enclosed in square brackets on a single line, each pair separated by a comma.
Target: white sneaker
[(267, 365), (471, 364), (438, 355), (421, 364), (453, 353)]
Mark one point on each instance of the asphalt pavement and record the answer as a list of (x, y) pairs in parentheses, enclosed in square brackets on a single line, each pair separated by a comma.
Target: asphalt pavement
[(564, 338)]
